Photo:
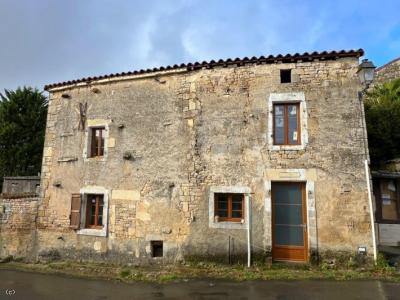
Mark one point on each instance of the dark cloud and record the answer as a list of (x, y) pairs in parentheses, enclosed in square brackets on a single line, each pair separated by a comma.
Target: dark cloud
[(49, 41)]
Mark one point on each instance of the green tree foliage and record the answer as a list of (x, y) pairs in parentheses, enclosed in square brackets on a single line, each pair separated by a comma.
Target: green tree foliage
[(22, 126), (382, 112)]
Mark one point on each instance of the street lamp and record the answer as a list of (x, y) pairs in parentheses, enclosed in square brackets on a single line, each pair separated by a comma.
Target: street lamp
[(366, 72)]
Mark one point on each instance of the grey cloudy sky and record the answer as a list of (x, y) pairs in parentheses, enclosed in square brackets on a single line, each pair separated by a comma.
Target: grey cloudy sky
[(47, 41)]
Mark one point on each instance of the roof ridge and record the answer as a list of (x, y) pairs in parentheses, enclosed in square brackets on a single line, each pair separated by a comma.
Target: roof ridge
[(388, 63), (324, 55)]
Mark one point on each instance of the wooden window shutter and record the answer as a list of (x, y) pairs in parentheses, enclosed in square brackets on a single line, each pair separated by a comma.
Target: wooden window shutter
[(75, 216)]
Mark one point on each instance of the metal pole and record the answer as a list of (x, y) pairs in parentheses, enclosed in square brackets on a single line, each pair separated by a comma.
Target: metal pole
[(248, 230), (371, 210), (229, 250)]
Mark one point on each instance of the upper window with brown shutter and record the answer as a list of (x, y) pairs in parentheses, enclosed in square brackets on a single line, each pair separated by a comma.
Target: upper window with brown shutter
[(75, 216), (97, 141), (286, 121)]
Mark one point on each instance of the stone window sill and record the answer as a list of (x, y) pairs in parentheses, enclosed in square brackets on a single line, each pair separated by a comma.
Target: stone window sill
[(287, 147), (95, 159), (229, 225), (92, 232)]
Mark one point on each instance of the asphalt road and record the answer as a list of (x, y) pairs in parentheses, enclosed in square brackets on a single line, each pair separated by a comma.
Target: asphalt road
[(30, 286)]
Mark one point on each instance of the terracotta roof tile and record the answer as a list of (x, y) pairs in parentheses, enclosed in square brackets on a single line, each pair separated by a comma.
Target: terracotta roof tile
[(288, 58)]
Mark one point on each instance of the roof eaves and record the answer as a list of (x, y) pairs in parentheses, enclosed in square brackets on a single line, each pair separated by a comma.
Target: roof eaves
[(288, 58)]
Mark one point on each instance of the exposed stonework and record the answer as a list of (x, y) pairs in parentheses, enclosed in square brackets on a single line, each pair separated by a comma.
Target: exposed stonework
[(187, 132), (17, 226), (388, 72)]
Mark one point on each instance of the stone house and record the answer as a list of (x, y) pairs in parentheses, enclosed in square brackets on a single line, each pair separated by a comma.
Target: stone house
[(388, 71), (386, 179), (207, 160)]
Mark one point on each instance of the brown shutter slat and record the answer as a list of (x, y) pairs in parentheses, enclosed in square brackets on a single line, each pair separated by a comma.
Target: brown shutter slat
[(75, 216)]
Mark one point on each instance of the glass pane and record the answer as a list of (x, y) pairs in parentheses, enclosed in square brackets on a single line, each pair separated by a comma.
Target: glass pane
[(237, 201), (100, 220), (222, 204), (237, 214), (292, 122), (279, 135), (222, 213), (389, 200), (92, 220), (237, 205), (288, 214), (221, 200), (102, 142), (288, 235), (97, 144), (287, 193)]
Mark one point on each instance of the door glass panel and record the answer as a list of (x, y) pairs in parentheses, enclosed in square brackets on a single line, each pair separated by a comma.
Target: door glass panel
[(288, 214), (292, 123), (287, 193), (289, 235)]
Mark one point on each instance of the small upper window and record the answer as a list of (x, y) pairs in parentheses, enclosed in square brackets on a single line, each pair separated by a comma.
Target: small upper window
[(286, 76), (97, 142), (286, 124), (94, 211), (229, 207)]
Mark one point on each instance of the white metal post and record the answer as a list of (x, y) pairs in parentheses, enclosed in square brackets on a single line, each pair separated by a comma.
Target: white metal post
[(248, 230), (371, 209)]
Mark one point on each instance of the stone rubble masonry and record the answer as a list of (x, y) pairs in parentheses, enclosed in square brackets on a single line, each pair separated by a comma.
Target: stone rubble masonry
[(17, 226), (189, 132), (387, 72)]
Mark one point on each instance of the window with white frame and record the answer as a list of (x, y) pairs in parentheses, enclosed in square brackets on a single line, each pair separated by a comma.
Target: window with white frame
[(287, 121), (227, 207), (97, 140), (89, 212)]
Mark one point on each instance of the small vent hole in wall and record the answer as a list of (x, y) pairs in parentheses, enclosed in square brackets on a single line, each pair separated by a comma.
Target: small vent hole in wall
[(286, 76), (156, 248)]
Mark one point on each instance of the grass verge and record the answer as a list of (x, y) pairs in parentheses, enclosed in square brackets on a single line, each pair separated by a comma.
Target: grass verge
[(189, 271)]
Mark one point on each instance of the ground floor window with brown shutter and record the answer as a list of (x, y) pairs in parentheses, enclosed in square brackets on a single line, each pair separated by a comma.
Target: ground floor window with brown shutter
[(75, 216), (94, 211), (229, 207)]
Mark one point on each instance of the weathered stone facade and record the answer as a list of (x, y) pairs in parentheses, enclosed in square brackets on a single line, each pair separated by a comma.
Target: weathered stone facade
[(388, 71), (173, 137), (18, 226)]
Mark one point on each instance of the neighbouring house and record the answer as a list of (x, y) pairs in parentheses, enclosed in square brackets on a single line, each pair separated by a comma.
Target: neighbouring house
[(207, 160), (386, 179), (20, 184), (388, 71), (386, 186)]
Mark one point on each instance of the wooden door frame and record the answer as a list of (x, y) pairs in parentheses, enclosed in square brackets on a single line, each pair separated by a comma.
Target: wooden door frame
[(302, 184)]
